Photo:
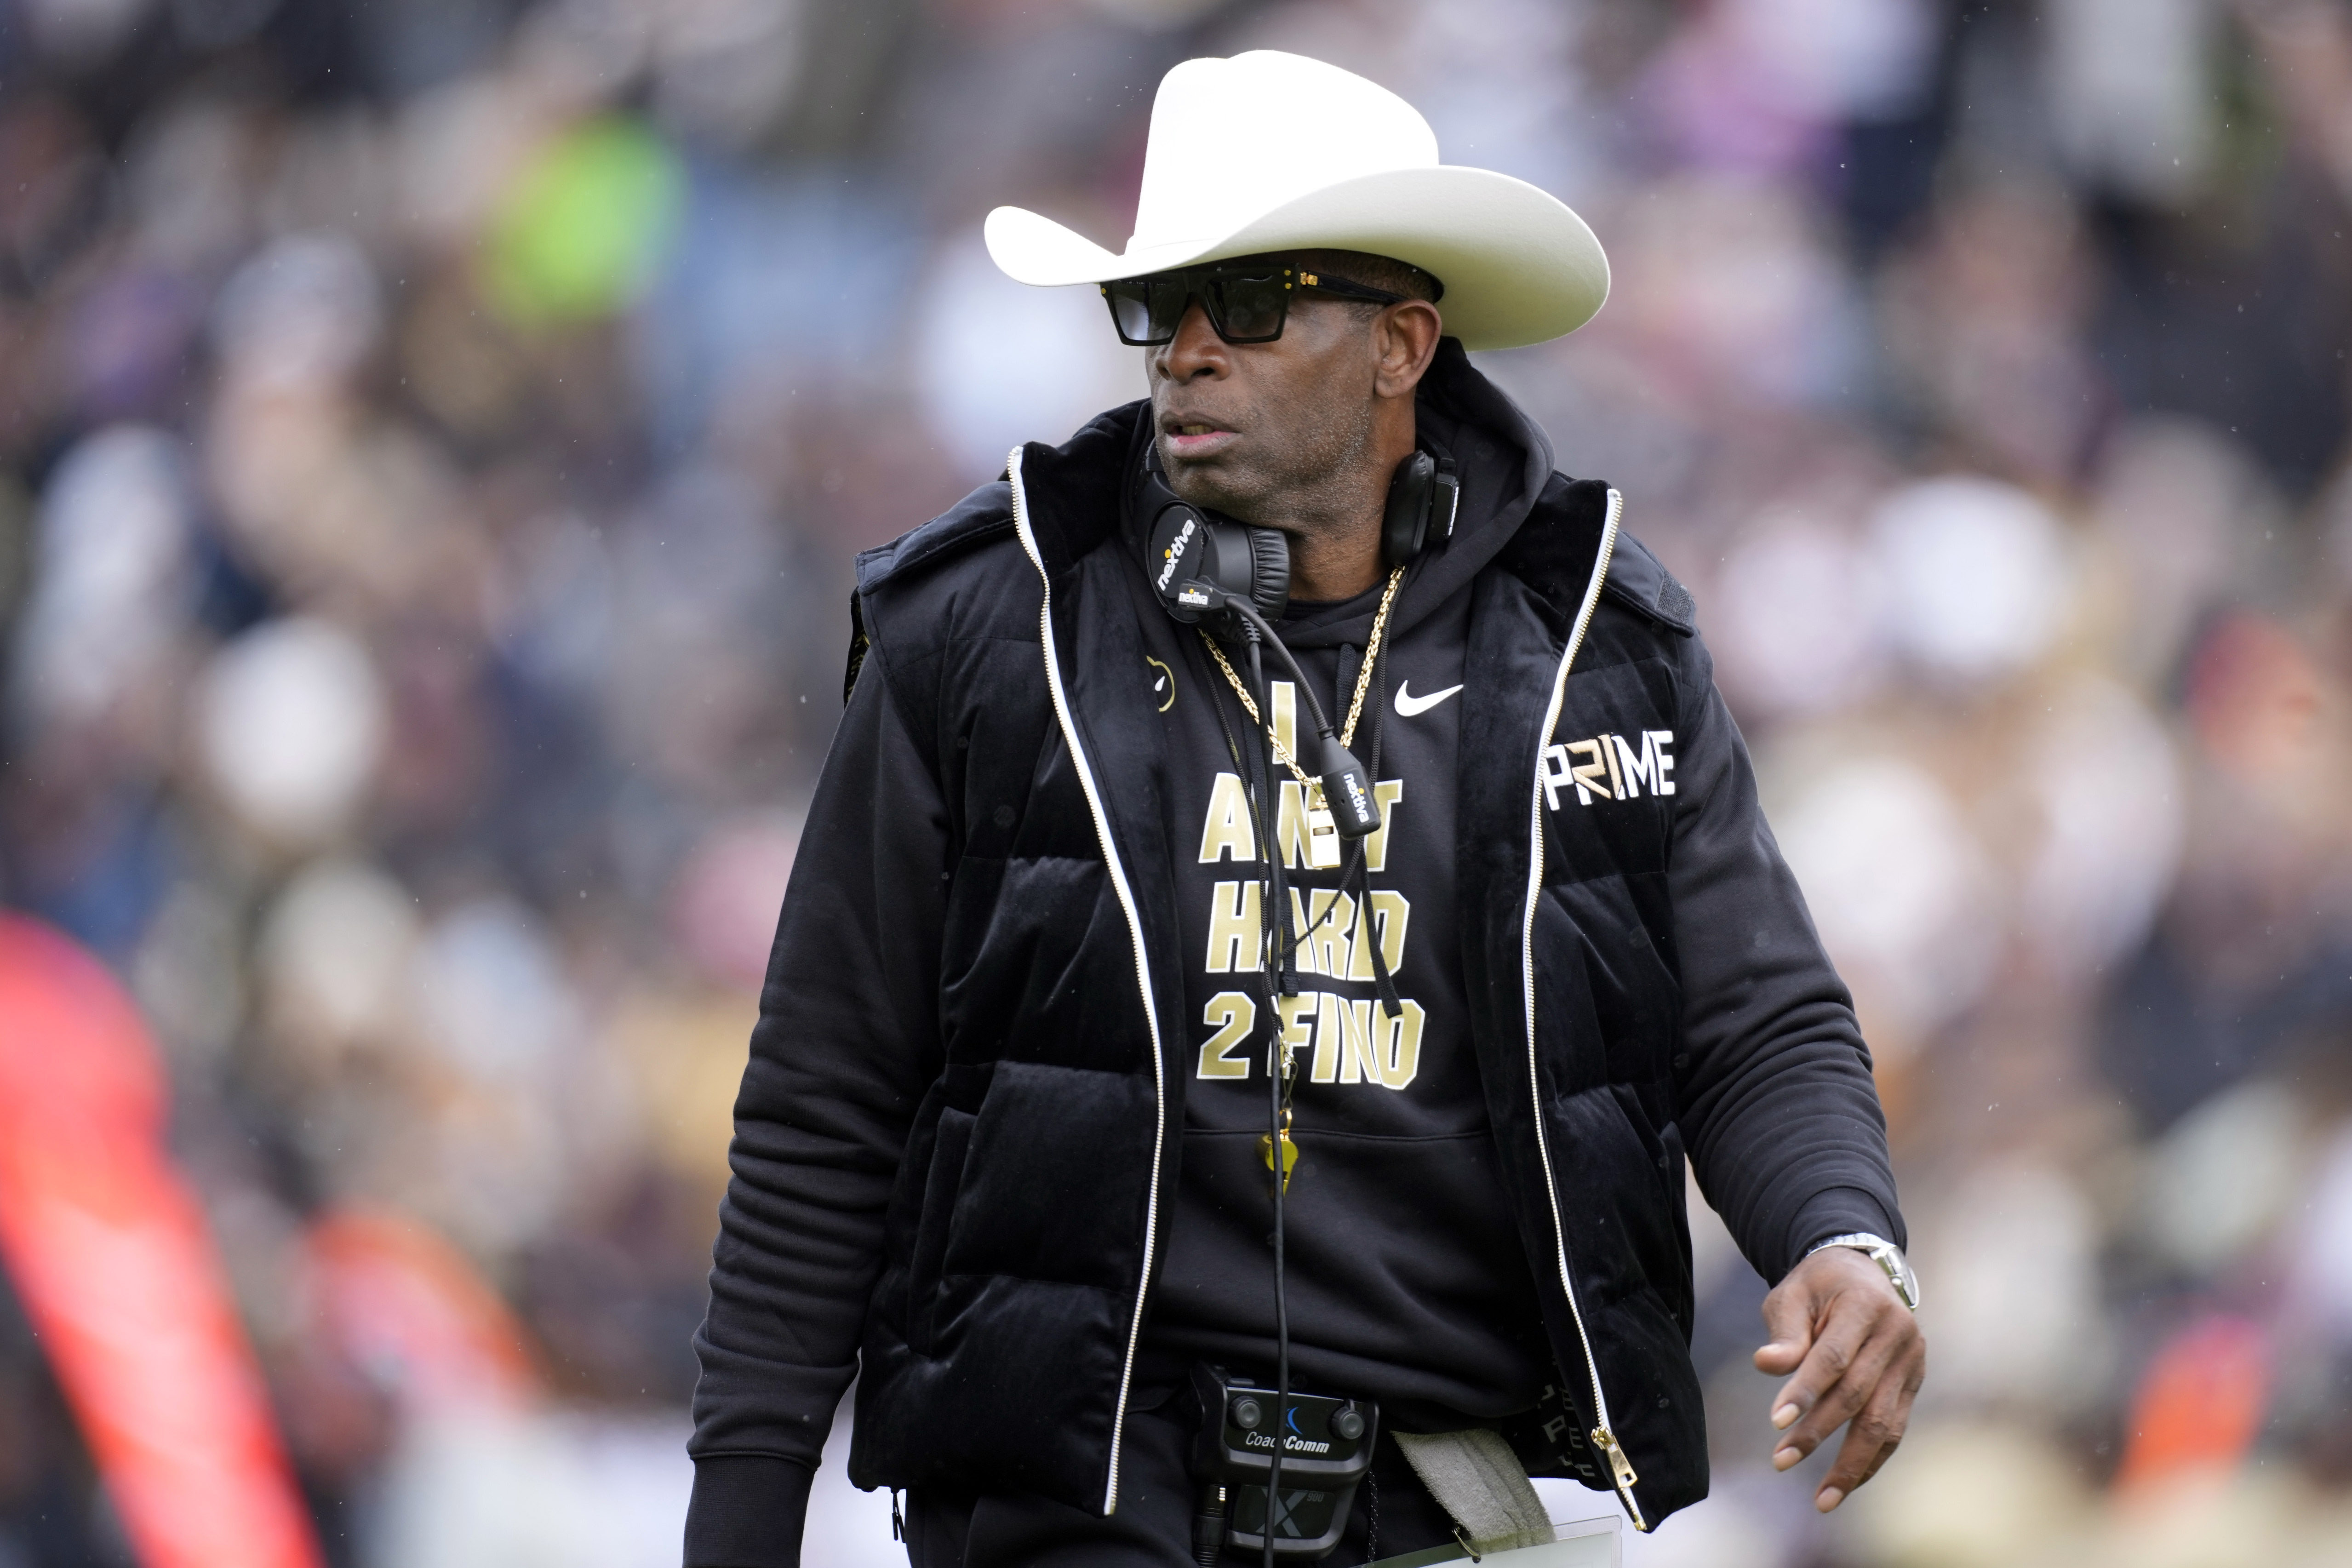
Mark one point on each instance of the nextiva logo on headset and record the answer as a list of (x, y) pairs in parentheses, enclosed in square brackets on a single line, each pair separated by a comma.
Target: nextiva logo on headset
[(1173, 556)]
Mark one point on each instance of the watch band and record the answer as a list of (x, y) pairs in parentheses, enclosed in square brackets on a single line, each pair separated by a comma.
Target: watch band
[(1886, 1254)]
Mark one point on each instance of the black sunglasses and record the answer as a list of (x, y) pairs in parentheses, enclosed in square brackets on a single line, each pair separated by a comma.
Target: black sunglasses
[(1247, 302)]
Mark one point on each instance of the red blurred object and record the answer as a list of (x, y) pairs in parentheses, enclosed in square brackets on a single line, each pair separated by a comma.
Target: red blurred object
[(2200, 1404), (412, 1311), (118, 1274)]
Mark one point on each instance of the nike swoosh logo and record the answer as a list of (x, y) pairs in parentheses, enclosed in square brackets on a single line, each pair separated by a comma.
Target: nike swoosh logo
[(1410, 705)]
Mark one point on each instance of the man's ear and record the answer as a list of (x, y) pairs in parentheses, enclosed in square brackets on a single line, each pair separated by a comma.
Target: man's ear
[(1404, 336)]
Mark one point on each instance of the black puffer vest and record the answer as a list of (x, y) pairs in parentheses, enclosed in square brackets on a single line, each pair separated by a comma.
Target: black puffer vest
[(1021, 1245)]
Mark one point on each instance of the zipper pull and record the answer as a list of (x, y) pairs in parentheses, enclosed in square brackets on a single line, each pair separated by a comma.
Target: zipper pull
[(1620, 1470), (1620, 1467), (898, 1520)]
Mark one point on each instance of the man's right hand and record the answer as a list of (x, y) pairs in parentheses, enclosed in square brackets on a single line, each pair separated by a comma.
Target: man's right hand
[(1851, 1351)]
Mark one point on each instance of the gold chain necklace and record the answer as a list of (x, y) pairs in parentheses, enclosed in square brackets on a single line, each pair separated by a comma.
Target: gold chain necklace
[(1314, 786)]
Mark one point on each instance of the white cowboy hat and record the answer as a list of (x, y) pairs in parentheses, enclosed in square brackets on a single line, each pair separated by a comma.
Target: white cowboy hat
[(1271, 151)]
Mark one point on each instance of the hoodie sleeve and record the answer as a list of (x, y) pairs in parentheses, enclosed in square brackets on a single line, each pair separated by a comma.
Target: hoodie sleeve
[(1778, 1110), (845, 1043)]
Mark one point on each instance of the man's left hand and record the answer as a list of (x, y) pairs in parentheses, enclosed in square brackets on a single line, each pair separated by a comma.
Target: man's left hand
[(1856, 1354)]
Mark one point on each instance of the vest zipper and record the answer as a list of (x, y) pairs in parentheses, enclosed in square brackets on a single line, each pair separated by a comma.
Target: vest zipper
[(1621, 1469), (1142, 962)]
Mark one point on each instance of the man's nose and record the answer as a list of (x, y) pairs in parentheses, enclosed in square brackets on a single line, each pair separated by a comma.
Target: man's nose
[(1195, 350)]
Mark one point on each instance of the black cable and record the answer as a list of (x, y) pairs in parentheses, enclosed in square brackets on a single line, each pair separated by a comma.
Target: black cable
[(1355, 867), (1251, 783), (1280, 980), (1281, 1304), (1257, 624), (1382, 982), (1208, 1543), (1224, 722), (1256, 634), (1276, 1061), (1279, 955)]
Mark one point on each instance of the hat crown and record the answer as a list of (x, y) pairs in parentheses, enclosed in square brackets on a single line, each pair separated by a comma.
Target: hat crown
[(1233, 138)]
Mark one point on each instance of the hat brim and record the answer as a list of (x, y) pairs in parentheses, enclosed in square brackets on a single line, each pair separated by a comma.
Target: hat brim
[(1519, 264)]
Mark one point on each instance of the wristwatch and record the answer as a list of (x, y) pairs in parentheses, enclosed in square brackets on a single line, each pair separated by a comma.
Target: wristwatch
[(1886, 1254)]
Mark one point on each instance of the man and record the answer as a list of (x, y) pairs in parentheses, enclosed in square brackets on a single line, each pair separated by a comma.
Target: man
[(1003, 1148)]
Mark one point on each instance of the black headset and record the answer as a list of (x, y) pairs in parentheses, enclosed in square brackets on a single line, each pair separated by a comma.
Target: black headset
[(1186, 546), (1205, 566)]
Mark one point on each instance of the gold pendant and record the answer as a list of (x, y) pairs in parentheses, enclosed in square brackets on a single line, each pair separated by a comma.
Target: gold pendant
[(1290, 1154)]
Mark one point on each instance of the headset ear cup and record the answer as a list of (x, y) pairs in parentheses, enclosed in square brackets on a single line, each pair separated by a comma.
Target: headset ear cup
[(1269, 571), (1404, 525), (1215, 548)]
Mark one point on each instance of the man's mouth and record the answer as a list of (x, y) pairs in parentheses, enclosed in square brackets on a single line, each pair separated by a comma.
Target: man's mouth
[(1192, 437)]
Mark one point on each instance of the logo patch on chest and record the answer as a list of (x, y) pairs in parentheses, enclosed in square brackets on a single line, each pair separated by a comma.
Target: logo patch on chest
[(1611, 767)]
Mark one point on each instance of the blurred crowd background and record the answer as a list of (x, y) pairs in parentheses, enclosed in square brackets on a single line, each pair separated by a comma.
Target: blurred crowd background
[(433, 439)]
